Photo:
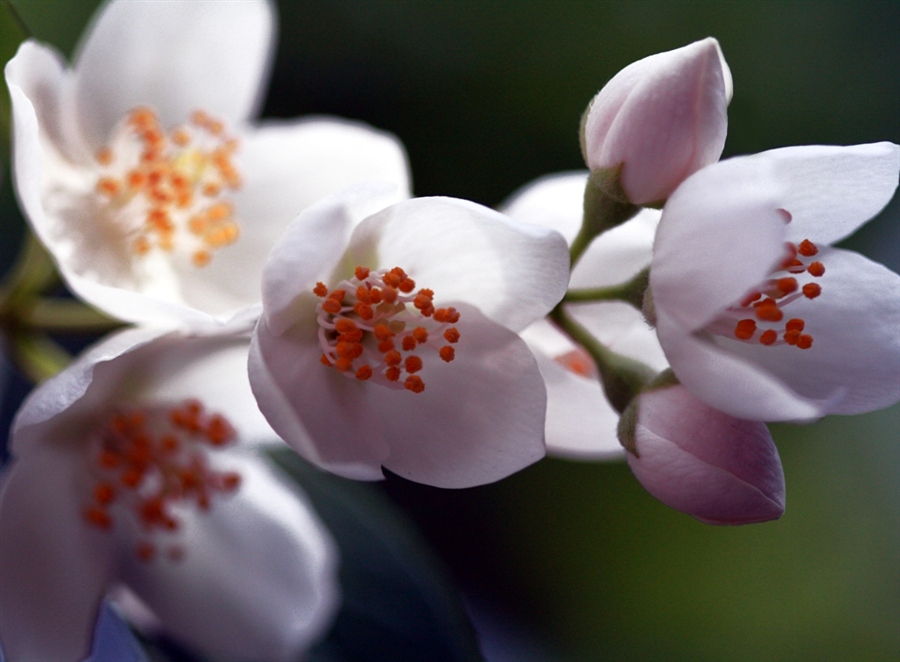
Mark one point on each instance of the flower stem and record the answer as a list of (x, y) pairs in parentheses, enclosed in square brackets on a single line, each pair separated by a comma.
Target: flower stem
[(631, 292), (605, 206), (622, 377)]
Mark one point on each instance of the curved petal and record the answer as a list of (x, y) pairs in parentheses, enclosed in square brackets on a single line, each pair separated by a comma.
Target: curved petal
[(856, 346), (554, 201), (514, 273), (54, 568), (619, 254), (480, 417), (61, 393), (622, 329), (831, 191), (258, 579), (580, 421), (319, 412), (312, 245), (175, 57), (719, 237), (733, 384)]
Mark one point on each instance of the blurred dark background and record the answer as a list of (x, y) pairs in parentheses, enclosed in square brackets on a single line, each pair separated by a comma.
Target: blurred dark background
[(574, 561)]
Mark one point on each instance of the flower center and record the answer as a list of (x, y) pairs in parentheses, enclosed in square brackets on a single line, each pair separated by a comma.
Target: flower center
[(167, 188), (372, 327), (760, 317), (149, 462)]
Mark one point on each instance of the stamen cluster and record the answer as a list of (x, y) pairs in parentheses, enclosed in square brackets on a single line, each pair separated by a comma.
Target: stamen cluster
[(147, 461), (373, 327), (177, 179)]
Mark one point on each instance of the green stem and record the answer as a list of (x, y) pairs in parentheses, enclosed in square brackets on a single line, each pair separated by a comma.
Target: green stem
[(631, 292), (65, 315), (37, 356), (622, 377), (605, 206)]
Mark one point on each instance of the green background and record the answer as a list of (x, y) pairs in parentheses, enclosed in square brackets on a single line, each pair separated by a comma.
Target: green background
[(574, 561)]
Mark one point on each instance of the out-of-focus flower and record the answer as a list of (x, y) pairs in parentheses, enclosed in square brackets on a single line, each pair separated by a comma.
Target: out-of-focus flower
[(397, 345), (712, 466), (758, 315), (660, 119), (580, 420), (122, 473), (139, 168)]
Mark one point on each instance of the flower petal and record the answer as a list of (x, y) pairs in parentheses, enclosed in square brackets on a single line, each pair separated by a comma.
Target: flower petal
[(622, 329), (702, 462), (312, 245), (55, 569), (856, 346), (514, 273), (719, 237), (480, 417), (619, 254), (258, 578), (319, 412), (580, 421), (831, 191), (175, 57), (553, 201)]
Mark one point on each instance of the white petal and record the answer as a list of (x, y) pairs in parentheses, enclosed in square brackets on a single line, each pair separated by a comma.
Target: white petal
[(514, 273), (312, 245), (732, 384), (720, 236), (174, 57), (258, 577), (60, 393), (622, 329), (580, 421), (553, 201), (856, 344), (55, 568), (319, 412), (831, 191), (480, 417), (619, 254)]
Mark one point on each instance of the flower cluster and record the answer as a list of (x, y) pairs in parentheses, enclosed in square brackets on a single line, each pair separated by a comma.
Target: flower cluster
[(285, 286)]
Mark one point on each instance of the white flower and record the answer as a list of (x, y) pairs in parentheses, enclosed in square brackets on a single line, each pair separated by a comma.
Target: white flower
[(717, 468), (580, 420), (758, 314), (437, 386), (141, 172), (121, 475), (661, 118)]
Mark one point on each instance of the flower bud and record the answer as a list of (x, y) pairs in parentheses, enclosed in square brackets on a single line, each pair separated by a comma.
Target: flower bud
[(712, 466), (661, 119)]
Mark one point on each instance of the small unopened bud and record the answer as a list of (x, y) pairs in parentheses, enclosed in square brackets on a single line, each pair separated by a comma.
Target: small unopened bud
[(714, 467), (660, 119)]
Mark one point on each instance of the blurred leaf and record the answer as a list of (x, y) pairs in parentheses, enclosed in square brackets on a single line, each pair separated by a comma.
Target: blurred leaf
[(12, 33), (397, 602)]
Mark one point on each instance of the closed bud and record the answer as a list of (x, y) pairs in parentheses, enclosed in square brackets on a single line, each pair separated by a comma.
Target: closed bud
[(695, 459), (660, 119)]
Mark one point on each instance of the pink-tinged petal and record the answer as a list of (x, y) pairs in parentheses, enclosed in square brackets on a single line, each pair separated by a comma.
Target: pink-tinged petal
[(663, 118), (720, 235), (719, 469), (831, 191), (46, 410), (175, 57), (619, 254), (854, 324), (732, 384), (312, 246), (258, 578), (580, 421), (54, 568), (514, 273), (554, 201), (319, 412), (480, 417)]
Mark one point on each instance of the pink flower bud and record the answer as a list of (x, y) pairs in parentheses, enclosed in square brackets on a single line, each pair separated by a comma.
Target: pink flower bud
[(712, 466), (661, 118)]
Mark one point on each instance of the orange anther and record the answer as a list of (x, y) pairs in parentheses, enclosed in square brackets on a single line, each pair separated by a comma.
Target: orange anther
[(816, 269), (386, 346), (412, 364), (104, 156), (363, 373), (807, 248), (768, 311), (805, 341), (181, 137), (791, 337), (364, 310), (812, 290), (420, 334), (451, 335), (407, 285), (745, 329), (795, 324), (219, 431), (343, 364), (131, 478), (362, 273), (362, 294), (750, 298), (447, 353), (375, 296), (414, 383), (332, 305), (392, 374), (201, 258), (108, 186), (393, 358), (786, 285), (344, 325), (104, 493), (389, 294), (768, 337), (98, 517), (409, 343), (231, 481), (219, 211), (320, 290)]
